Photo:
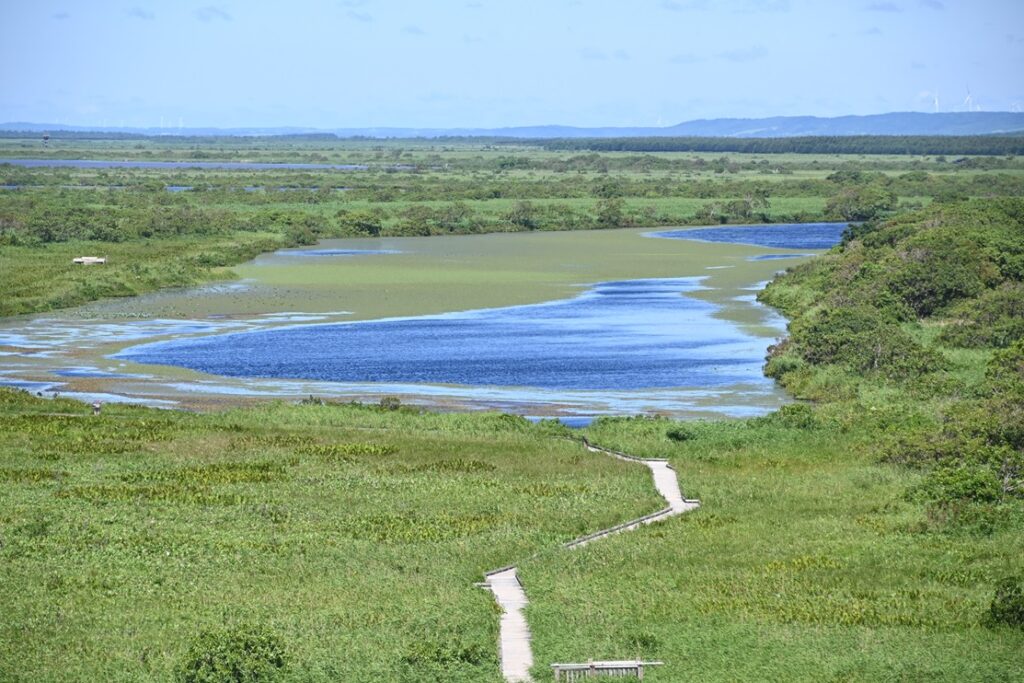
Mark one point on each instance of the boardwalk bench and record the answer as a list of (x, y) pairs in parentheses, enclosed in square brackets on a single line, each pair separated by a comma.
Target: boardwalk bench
[(619, 669)]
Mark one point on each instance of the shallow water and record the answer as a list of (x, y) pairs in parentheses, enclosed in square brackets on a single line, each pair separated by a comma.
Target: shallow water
[(776, 235), (776, 257), (216, 165), (631, 335), (332, 252)]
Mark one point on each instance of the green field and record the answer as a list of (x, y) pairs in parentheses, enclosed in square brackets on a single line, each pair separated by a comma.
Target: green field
[(355, 534)]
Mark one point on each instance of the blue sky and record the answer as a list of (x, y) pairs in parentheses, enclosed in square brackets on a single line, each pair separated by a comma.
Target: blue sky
[(487, 63)]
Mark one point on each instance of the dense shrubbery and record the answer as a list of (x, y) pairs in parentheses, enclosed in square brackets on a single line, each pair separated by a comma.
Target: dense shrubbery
[(994, 319), (863, 339), (919, 265), (1008, 603), (866, 309), (243, 654)]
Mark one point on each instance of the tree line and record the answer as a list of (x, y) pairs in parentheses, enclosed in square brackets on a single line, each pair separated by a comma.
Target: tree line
[(984, 145)]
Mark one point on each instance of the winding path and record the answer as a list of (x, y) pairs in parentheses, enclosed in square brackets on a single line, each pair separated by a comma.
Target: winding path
[(514, 633)]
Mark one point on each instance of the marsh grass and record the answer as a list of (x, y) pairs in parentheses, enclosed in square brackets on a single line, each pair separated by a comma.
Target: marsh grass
[(805, 562), (353, 534)]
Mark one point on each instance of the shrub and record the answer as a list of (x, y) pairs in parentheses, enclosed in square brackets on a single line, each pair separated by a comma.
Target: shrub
[(793, 415), (390, 403), (995, 319), (933, 269), (242, 654), (680, 434), (1008, 603), (964, 482), (782, 360), (863, 339), (861, 203)]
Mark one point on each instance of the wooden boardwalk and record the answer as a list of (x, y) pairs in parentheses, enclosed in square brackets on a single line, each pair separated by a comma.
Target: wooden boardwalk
[(514, 643), (514, 633)]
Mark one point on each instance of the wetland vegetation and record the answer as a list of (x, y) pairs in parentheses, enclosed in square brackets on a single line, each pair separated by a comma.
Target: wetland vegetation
[(158, 238), (870, 531)]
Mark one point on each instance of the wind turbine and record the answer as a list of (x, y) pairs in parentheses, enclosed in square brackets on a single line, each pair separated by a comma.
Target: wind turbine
[(967, 100), (936, 101)]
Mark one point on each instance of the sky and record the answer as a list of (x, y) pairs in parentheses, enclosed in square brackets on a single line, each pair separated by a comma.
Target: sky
[(494, 63)]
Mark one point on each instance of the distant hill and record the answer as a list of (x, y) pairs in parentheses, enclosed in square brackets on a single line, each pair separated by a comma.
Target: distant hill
[(897, 123)]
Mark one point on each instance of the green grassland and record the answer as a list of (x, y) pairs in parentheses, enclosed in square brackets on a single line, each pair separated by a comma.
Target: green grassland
[(355, 534)]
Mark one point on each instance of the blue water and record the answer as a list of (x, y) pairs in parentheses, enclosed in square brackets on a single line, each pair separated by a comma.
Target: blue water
[(87, 372), (629, 335), (219, 165), (776, 257), (776, 235), (333, 252)]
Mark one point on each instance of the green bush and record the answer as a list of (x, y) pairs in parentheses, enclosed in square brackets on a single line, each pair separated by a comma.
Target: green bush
[(794, 416), (1008, 603), (995, 319), (680, 434), (961, 482), (390, 403), (241, 654), (864, 340)]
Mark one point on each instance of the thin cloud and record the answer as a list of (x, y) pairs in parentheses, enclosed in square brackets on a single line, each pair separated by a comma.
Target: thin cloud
[(745, 55), (60, 16), (413, 30), (139, 13), (918, 65), (212, 13), (737, 6), (873, 31), (884, 7), (364, 17), (934, 4), (687, 58), (593, 54)]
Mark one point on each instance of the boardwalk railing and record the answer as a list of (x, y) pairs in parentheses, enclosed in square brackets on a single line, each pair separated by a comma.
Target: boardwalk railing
[(621, 669)]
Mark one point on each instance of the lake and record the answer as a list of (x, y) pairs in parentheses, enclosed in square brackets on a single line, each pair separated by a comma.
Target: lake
[(555, 324), (637, 334)]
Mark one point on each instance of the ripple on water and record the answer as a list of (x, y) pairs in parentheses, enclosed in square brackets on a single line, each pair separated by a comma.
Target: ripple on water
[(630, 335), (775, 235), (333, 252)]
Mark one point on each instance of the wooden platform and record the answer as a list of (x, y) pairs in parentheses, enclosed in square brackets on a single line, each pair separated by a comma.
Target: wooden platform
[(617, 669)]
